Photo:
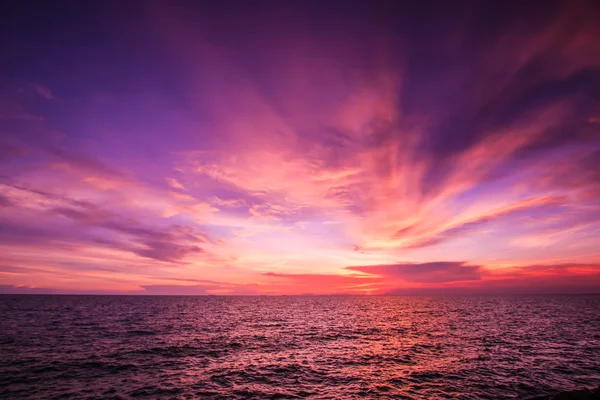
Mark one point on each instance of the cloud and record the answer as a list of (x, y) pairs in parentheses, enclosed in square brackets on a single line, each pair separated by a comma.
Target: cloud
[(12, 289), (43, 91), (166, 244), (568, 278), (10, 151), (423, 236), (153, 290), (433, 272), (170, 244), (195, 290), (166, 251), (320, 283), (234, 154), (21, 234), (4, 202), (387, 162), (24, 289), (548, 270), (79, 161), (174, 183)]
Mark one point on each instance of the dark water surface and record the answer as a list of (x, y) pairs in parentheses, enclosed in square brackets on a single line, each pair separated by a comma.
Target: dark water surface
[(296, 347)]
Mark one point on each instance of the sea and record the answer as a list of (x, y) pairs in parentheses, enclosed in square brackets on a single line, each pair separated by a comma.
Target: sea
[(289, 347)]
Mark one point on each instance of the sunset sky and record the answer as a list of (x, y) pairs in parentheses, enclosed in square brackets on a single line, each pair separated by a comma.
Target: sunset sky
[(160, 147)]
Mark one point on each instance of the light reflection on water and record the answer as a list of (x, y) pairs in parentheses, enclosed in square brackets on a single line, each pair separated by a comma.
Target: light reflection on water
[(285, 347)]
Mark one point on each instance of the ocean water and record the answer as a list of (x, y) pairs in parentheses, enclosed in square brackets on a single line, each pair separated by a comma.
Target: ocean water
[(297, 347)]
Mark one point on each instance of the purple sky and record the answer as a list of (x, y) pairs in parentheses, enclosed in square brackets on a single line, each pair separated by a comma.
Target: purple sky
[(282, 148)]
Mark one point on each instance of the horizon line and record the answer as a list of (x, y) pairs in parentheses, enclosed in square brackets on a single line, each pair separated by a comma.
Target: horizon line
[(305, 295)]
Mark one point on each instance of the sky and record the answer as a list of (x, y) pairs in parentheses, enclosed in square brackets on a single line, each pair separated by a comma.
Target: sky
[(258, 148)]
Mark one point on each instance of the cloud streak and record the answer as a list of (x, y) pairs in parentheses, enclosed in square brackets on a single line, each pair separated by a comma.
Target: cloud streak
[(434, 272)]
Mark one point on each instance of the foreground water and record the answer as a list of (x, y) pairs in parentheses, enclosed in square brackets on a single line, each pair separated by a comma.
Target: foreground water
[(295, 347)]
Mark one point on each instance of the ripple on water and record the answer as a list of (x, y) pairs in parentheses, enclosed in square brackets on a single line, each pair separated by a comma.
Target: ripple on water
[(297, 347)]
